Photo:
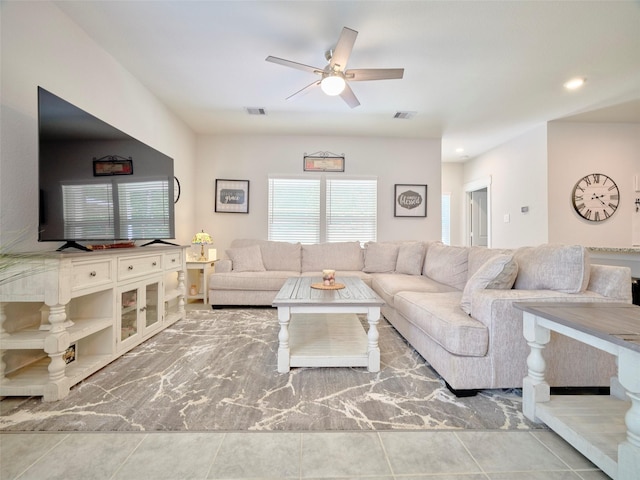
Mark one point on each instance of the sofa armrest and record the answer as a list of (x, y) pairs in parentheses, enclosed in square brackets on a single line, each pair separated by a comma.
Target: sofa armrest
[(224, 265)]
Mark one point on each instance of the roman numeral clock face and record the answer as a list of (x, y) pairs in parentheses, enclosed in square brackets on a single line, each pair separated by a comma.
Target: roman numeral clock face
[(595, 197)]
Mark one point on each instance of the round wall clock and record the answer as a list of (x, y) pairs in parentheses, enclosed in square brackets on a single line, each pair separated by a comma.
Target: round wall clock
[(595, 197), (176, 190)]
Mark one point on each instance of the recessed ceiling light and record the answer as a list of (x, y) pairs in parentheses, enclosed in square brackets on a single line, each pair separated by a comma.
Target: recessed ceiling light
[(459, 150), (575, 83)]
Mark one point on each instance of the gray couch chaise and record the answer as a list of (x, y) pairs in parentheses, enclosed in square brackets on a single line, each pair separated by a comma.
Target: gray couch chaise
[(454, 305)]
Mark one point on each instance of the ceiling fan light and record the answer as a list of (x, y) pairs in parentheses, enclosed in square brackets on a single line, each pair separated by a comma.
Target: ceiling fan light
[(332, 85)]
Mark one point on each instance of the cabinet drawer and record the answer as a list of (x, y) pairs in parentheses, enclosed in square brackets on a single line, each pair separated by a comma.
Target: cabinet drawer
[(86, 275), (131, 267), (173, 260)]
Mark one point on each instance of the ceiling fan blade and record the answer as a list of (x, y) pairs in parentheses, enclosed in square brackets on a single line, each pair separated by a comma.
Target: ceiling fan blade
[(296, 65), (341, 53), (349, 97), (363, 74), (304, 91)]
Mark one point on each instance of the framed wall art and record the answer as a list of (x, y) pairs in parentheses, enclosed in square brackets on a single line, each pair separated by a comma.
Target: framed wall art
[(410, 200), (232, 196)]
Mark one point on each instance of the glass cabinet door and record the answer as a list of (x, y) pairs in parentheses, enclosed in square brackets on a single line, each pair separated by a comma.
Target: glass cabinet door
[(152, 316), (129, 314)]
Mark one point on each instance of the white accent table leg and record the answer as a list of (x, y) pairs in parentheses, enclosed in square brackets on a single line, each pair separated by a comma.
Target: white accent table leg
[(284, 316), (534, 387), (629, 450), (373, 350)]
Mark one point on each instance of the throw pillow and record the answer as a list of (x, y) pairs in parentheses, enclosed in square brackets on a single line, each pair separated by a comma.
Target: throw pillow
[(247, 259), (498, 273), (410, 258), (380, 257)]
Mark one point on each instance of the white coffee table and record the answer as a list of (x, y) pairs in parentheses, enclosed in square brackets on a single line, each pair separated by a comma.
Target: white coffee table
[(320, 328)]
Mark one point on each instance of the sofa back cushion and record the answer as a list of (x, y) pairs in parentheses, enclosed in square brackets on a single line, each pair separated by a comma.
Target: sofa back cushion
[(380, 257), (282, 256), (332, 255), (246, 259), (478, 256), (410, 258), (447, 264), (563, 268)]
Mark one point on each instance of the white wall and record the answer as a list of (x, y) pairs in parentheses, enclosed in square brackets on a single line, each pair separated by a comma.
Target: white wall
[(452, 181), (577, 149), (518, 172), (42, 47), (254, 157)]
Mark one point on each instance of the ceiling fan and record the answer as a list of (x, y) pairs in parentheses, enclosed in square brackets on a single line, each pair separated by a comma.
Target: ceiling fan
[(335, 77)]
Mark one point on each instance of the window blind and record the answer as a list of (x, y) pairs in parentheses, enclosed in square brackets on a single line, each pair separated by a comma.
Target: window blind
[(88, 210), (351, 210), (143, 209), (294, 210)]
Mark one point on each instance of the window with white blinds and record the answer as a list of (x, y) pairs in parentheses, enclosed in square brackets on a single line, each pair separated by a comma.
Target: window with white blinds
[(322, 209), (294, 210), (88, 210), (446, 218)]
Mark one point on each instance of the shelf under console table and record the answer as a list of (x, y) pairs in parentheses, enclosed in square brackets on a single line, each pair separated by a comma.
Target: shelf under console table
[(604, 428), (64, 316)]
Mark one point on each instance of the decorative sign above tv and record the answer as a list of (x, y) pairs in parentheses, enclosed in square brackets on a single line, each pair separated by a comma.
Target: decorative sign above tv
[(89, 190)]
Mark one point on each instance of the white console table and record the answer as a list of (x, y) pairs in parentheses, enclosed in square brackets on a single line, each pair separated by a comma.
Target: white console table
[(605, 429), (64, 316)]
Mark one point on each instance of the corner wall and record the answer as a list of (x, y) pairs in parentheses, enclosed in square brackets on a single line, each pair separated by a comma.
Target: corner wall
[(40, 45), (254, 157)]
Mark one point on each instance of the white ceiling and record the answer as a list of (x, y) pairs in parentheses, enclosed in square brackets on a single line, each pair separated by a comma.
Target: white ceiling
[(477, 73)]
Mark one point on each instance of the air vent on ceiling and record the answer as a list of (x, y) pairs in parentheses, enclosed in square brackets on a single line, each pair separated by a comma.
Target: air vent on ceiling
[(404, 115), (256, 111)]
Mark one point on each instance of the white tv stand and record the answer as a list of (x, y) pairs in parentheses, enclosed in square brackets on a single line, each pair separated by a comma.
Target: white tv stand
[(64, 316)]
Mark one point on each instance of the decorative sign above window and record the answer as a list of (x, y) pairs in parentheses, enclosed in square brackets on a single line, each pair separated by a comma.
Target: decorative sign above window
[(323, 162)]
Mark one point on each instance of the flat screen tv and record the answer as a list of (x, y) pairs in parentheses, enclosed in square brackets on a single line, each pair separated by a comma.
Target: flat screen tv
[(98, 184)]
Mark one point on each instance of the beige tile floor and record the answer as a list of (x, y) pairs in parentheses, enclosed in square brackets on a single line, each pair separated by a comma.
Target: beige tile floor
[(450, 455)]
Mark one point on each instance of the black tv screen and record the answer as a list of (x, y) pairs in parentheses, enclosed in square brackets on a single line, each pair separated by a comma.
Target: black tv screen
[(98, 184)]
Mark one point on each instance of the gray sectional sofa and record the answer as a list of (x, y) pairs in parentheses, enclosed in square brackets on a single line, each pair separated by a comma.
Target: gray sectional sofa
[(454, 305)]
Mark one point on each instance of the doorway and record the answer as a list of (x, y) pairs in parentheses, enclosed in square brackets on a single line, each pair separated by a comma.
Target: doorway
[(478, 213)]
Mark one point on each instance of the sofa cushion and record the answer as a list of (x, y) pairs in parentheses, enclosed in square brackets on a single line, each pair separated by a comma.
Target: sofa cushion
[(440, 317), (388, 284), (250, 281), (410, 258), (246, 259), (563, 268), (332, 255), (478, 256), (447, 264), (380, 257), (281, 256), (499, 272)]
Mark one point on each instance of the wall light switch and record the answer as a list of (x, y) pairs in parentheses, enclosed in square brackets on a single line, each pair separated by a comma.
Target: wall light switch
[(507, 218)]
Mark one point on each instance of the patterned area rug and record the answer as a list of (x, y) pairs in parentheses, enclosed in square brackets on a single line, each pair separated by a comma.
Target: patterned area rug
[(216, 371)]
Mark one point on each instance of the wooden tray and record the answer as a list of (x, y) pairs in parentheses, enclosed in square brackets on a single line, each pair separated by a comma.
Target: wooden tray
[(322, 286)]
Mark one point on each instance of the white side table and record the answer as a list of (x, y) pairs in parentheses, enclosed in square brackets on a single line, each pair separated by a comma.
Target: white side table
[(204, 268)]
